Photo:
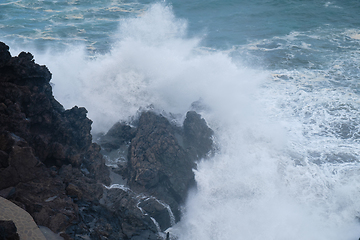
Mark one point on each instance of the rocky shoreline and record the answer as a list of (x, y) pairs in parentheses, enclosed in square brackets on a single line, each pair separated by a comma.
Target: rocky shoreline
[(50, 166)]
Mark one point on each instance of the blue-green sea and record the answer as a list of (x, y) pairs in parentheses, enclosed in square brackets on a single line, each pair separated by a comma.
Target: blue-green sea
[(278, 81)]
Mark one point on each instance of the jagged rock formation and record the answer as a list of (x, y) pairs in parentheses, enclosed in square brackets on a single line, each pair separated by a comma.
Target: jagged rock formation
[(47, 159), (50, 167), (197, 136), (153, 156), (161, 158)]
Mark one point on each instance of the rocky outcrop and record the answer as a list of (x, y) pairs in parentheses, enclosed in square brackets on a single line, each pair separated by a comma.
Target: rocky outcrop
[(154, 153), (47, 159), (118, 135), (161, 158), (197, 136), (50, 167)]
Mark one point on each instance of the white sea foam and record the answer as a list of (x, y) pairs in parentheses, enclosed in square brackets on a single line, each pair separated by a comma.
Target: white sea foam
[(152, 62), (291, 183)]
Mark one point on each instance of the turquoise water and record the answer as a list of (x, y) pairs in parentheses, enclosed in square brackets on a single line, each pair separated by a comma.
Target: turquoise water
[(329, 28), (53, 24), (224, 23), (279, 79)]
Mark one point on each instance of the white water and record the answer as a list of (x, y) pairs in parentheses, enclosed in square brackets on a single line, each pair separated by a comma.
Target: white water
[(263, 183)]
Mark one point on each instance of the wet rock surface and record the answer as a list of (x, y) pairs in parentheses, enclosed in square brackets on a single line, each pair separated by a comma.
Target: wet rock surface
[(50, 167), (161, 158), (118, 135), (197, 136), (154, 153)]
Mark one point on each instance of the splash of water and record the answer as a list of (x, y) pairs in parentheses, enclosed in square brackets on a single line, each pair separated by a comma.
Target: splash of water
[(152, 62)]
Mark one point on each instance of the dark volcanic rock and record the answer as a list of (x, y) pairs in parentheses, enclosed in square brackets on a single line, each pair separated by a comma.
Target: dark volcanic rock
[(4, 54), (29, 111), (117, 216), (158, 211), (197, 135), (47, 159), (30, 114), (118, 135), (134, 223), (161, 159), (8, 231), (157, 164), (50, 167), (17, 170)]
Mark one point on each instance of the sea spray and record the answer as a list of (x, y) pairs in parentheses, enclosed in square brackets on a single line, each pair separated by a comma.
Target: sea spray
[(252, 191), (300, 181), (145, 67)]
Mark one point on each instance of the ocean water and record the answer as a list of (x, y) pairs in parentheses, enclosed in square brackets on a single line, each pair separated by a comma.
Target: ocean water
[(278, 79)]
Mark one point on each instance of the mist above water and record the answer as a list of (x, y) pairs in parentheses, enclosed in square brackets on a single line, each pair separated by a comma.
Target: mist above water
[(151, 62)]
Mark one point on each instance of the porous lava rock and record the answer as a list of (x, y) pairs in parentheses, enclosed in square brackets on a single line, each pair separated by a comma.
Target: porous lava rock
[(47, 159), (161, 158), (157, 164)]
